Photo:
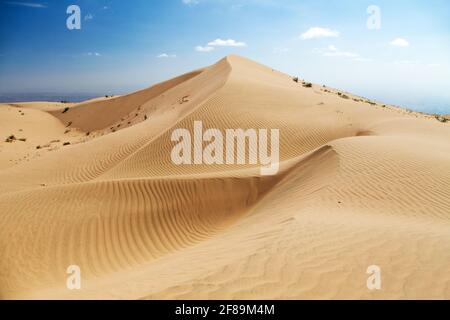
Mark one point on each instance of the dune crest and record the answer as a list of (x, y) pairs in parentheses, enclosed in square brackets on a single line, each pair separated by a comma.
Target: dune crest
[(360, 184)]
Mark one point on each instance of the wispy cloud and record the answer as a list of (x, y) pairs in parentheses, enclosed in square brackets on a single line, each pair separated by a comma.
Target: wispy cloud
[(406, 62), (27, 4), (89, 16), (417, 63), (362, 59), (332, 51), (280, 50), (318, 32), (204, 49), (400, 42), (226, 43), (237, 6), (92, 54), (166, 55), (191, 2)]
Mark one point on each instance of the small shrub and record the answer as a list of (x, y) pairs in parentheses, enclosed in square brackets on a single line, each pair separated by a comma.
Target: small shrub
[(308, 85), (10, 139), (66, 144), (65, 110), (441, 118), (23, 139), (295, 79), (344, 96)]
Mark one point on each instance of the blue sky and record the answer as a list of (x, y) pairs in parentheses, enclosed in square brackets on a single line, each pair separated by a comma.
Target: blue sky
[(127, 45)]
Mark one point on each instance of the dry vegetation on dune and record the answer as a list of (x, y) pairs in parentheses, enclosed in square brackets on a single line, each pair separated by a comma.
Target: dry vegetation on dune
[(93, 185)]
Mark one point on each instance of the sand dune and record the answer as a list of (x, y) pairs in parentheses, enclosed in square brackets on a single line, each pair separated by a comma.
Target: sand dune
[(360, 184)]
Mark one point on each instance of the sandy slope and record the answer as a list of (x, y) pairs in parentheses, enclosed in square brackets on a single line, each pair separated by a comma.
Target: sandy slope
[(360, 184)]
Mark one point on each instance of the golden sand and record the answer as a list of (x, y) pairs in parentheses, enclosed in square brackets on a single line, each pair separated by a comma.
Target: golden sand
[(93, 185)]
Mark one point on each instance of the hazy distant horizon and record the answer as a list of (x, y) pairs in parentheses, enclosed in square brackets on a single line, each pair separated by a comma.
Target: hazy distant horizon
[(424, 104)]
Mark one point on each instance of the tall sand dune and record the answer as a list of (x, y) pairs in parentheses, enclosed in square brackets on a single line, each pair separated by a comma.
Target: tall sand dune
[(93, 185)]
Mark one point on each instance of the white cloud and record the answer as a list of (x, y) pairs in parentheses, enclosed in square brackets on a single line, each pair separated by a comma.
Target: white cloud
[(27, 4), (204, 49), (92, 54), (211, 46), (165, 55), (399, 42), (317, 32), (226, 43)]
